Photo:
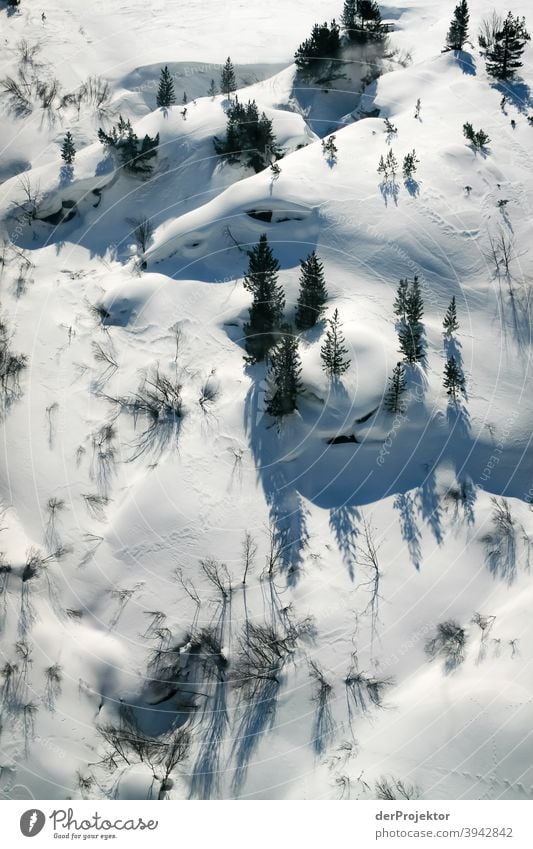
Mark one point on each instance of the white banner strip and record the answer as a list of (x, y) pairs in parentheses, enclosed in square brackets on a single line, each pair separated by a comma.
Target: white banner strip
[(264, 825)]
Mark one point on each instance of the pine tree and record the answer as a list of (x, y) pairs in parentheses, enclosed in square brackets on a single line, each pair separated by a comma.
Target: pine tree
[(228, 83), (268, 300), (410, 338), (504, 55), (450, 323), (400, 304), (348, 19), (285, 376), (185, 99), (68, 150), (249, 136), (329, 149), (458, 32), (454, 381), (410, 162), (313, 293), (318, 51), (333, 351), (393, 396), (212, 90), (414, 307), (165, 92), (418, 107)]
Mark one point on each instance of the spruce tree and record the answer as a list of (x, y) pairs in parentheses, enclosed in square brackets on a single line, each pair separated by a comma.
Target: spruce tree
[(212, 90), (268, 300), (333, 352), (284, 375), (454, 381), (504, 55), (414, 307), (400, 303), (450, 323), (228, 83), (165, 93), (393, 396), (68, 150), (410, 161), (348, 18), (313, 293), (410, 338), (458, 32)]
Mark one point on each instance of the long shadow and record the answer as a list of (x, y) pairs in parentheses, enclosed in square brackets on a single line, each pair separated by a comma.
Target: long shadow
[(286, 506), (430, 506), (258, 715), (410, 531), (205, 781), (466, 62), (516, 92), (390, 191), (343, 523), (453, 348), (458, 419)]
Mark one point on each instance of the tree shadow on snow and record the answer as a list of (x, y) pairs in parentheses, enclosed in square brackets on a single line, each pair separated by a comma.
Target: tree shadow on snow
[(410, 531)]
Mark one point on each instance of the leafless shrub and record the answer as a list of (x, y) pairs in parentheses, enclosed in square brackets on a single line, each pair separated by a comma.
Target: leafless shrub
[(5, 572), (27, 52), (53, 676), (11, 367), (52, 539), (96, 505), (262, 655), (501, 251), (27, 207), (209, 392), (275, 549), (448, 642), (485, 624), (394, 788), (11, 687), (367, 557), (323, 723), (500, 541), (366, 691), (97, 93), (107, 357), (142, 231), (99, 313), (47, 91), (29, 712), (103, 459), (19, 93), (218, 574), (488, 30), (158, 402), (249, 551)]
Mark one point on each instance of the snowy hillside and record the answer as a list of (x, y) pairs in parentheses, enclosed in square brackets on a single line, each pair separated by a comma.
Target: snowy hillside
[(199, 599)]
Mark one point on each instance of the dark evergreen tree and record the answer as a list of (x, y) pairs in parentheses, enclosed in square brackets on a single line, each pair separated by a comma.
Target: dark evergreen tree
[(400, 304), (393, 396), (268, 300), (317, 52), (329, 149), (165, 93), (410, 338), (348, 19), (361, 21), (450, 323), (333, 352), (454, 381), (68, 150), (212, 90), (249, 136), (478, 139), (284, 375), (504, 54), (414, 307), (313, 293), (228, 82), (185, 99), (458, 32), (410, 162), (134, 155)]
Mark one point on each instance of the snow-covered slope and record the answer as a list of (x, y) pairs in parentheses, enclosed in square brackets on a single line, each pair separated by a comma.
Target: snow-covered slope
[(111, 526)]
